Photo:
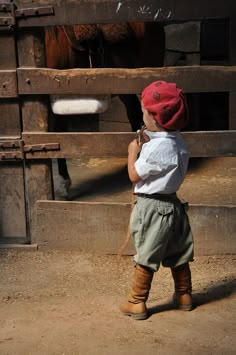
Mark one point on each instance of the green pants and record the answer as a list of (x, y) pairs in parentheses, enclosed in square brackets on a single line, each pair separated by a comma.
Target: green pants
[(161, 233)]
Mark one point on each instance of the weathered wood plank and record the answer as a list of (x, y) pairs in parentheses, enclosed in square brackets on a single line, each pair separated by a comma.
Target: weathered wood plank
[(23, 247), (101, 227), (38, 182), (31, 54), (9, 119), (12, 206), (212, 143), (232, 57), (9, 108), (108, 11), (12, 216), (30, 45), (103, 232), (38, 177), (97, 144), (232, 110), (8, 84), (7, 50), (124, 81)]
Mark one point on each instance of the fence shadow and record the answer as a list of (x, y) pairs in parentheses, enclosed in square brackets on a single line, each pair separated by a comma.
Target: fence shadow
[(105, 184)]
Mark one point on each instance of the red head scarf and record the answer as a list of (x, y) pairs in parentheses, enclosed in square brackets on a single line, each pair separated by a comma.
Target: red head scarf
[(167, 103)]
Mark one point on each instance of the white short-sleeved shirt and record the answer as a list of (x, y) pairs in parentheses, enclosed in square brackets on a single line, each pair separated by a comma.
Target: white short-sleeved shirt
[(162, 163)]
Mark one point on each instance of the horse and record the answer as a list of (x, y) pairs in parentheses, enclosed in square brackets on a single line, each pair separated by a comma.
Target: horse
[(121, 45)]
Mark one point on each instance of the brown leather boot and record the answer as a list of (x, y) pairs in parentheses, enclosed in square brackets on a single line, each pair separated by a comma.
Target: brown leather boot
[(183, 287), (136, 305)]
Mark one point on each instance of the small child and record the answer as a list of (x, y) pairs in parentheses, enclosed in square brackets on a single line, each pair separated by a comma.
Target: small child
[(159, 224)]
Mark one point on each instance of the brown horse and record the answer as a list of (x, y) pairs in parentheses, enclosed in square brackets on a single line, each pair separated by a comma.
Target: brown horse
[(124, 45)]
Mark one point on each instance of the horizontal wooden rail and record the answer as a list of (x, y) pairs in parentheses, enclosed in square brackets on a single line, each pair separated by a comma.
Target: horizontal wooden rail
[(124, 81), (76, 145), (110, 11), (8, 84), (213, 227)]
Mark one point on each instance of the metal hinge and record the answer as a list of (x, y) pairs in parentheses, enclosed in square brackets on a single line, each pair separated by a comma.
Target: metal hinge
[(16, 150), (34, 11), (31, 148), (11, 150), (7, 15)]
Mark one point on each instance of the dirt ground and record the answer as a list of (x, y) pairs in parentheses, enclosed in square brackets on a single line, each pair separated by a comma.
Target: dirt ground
[(66, 303), (55, 302)]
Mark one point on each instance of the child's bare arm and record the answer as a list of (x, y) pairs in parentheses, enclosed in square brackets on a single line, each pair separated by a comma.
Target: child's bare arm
[(133, 151)]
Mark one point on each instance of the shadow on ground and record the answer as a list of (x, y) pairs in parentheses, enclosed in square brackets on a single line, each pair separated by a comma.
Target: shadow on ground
[(105, 184), (114, 182), (211, 293)]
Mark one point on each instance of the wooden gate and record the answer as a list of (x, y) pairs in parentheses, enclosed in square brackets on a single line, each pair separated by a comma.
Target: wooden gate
[(29, 213)]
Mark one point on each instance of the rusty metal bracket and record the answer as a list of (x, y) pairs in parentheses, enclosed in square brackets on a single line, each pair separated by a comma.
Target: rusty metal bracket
[(7, 15), (34, 12), (11, 150), (31, 148), (16, 150)]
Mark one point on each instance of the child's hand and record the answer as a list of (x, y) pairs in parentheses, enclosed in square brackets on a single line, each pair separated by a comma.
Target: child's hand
[(142, 137), (145, 137), (134, 147)]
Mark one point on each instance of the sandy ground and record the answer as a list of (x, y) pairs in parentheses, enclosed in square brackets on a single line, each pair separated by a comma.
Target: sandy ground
[(54, 303)]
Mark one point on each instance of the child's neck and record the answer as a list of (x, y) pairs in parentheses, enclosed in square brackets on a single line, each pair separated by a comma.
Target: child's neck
[(160, 129)]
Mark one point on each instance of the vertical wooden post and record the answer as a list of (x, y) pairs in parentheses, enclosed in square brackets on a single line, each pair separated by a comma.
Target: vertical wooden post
[(38, 173), (12, 206), (9, 107), (232, 49)]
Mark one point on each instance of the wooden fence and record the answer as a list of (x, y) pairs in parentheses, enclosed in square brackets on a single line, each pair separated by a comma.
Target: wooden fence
[(25, 173)]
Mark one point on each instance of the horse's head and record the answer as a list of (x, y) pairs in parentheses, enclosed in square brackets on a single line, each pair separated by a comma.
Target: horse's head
[(75, 46), (127, 45), (78, 46), (122, 45)]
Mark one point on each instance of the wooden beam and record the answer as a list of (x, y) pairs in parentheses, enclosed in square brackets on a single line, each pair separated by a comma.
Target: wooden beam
[(97, 144), (12, 206), (8, 84), (38, 178), (232, 55), (211, 143), (12, 216), (101, 227), (7, 50), (9, 119), (9, 106), (124, 81), (110, 11)]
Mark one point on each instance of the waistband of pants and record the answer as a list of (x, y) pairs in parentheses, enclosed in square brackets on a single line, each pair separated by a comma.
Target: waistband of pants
[(162, 197)]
